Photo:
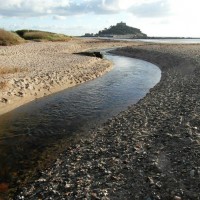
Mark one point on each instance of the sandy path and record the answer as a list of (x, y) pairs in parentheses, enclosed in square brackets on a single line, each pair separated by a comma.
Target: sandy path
[(45, 68), (151, 151)]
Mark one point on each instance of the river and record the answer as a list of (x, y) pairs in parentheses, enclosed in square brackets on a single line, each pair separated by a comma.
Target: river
[(28, 131)]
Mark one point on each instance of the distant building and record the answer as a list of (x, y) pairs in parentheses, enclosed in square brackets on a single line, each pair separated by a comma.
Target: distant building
[(89, 35), (121, 24)]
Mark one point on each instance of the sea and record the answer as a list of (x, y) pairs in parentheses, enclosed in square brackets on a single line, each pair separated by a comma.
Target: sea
[(174, 41)]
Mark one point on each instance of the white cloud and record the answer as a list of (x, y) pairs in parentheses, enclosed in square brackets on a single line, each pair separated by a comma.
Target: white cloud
[(31, 8), (58, 17), (151, 9), (112, 5), (10, 3)]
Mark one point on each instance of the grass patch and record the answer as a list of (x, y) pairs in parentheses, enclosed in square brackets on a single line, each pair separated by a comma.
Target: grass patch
[(11, 70), (36, 35), (8, 38)]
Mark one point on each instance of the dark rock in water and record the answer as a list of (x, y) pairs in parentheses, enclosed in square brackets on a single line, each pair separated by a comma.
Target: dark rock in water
[(98, 54), (92, 54)]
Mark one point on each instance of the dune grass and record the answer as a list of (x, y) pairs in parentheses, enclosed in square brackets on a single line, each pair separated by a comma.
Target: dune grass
[(13, 38), (9, 38), (36, 35)]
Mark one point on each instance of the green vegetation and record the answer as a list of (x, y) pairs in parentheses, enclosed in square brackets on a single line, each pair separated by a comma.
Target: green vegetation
[(12, 38), (122, 29), (42, 36), (9, 38)]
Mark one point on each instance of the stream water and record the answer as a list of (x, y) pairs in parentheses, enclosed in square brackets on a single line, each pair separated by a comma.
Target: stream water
[(26, 131)]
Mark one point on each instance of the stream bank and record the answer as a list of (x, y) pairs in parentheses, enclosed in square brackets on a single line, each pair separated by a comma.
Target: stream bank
[(37, 69)]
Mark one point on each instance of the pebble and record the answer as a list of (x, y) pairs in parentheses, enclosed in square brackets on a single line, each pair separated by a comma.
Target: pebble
[(192, 173), (177, 198), (4, 100)]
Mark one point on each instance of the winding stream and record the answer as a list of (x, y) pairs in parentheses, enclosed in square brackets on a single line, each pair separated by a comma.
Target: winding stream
[(26, 131)]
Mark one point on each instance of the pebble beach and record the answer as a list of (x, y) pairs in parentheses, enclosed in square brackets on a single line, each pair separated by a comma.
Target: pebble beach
[(150, 151)]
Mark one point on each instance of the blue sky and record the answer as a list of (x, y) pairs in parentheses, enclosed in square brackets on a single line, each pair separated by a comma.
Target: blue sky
[(76, 17)]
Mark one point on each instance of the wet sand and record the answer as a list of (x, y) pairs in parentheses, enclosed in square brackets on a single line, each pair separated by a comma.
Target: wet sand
[(150, 151)]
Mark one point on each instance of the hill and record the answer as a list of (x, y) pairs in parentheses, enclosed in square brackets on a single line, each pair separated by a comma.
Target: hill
[(37, 35), (120, 30)]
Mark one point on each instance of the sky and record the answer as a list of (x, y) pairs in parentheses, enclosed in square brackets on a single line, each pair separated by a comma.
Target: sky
[(167, 18)]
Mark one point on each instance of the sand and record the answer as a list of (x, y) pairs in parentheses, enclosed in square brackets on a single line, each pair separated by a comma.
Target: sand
[(47, 67)]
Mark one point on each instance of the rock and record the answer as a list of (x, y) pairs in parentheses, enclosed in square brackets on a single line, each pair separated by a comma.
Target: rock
[(94, 196), (158, 185), (20, 94), (98, 54), (177, 198), (67, 185), (150, 180), (41, 180), (4, 100), (192, 173)]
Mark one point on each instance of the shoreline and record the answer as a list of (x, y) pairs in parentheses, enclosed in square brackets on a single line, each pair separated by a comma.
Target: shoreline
[(149, 151), (45, 68), (17, 101)]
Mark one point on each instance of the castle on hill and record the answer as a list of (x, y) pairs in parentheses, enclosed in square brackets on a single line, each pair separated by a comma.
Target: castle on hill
[(120, 30)]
